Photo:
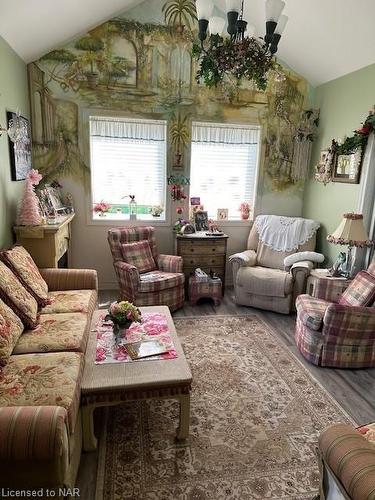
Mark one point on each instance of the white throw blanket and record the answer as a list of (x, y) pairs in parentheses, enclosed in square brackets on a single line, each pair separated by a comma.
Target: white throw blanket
[(285, 234)]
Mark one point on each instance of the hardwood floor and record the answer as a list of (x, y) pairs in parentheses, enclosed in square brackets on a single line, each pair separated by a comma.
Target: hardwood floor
[(354, 390)]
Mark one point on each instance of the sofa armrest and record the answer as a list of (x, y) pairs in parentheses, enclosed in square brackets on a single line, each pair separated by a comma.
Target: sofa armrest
[(300, 272), (350, 459), (128, 278), (70, 279), (246, 258), (170, 263), (32, 433), (352, 324)]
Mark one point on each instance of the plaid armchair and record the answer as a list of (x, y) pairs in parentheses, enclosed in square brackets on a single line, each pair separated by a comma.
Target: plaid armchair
[(163, 285), (338, 331)]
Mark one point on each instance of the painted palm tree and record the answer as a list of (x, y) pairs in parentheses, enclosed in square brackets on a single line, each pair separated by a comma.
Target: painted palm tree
[(179, 133), (180, 13)]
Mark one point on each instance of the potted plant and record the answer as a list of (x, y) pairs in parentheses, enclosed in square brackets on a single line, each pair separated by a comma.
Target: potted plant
[(179, 13), (245, 210), (92, 46), (156, 210), (122, 314)]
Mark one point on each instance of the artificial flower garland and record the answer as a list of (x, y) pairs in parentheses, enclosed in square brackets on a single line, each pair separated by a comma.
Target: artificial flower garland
[(360, 137)]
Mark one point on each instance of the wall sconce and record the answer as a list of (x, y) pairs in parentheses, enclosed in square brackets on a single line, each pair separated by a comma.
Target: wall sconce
[(17, 131)]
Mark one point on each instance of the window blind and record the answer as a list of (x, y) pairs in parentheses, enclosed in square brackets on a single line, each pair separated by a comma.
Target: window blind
[(128, 157), (224, 161)]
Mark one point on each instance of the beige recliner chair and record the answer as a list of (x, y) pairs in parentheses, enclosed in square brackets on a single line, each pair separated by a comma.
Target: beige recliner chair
[(260, 277)]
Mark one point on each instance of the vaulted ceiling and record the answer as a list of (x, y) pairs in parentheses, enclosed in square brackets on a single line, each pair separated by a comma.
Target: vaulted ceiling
[(325, 39)]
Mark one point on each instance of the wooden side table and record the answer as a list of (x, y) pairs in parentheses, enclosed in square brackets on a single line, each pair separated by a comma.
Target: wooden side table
[(46, 243), (320, 280), (206, 252), (210, 289)]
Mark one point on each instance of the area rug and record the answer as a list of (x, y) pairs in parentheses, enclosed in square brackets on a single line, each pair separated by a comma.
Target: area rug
[(255, 418)]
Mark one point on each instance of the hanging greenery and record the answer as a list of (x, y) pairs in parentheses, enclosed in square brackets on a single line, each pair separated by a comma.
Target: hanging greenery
[(359, 139), (242, 60)]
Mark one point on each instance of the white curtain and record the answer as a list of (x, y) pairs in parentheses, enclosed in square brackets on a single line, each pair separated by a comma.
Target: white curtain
[(117, 128), (224, 134), (366, 201)]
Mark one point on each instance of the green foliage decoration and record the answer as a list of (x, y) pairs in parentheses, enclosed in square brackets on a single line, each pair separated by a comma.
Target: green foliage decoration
[(359, 139), (242, 60)]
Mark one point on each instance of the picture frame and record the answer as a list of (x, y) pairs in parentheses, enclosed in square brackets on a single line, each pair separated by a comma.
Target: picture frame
[(50, 200), (195, 200), (20, 159), (201, 221), (347, 168), (222, 214)]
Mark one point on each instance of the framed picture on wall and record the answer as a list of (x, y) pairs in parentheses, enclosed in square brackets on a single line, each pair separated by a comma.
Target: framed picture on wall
[(347, 168), (222, 214), (19, 153)]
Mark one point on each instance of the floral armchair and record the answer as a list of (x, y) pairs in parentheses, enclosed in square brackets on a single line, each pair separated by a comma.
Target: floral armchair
[(338, 330), (145, 277)]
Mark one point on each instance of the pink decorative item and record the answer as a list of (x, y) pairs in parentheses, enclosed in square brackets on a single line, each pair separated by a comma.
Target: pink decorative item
[(101, 208), (29, 212), (245, 210)]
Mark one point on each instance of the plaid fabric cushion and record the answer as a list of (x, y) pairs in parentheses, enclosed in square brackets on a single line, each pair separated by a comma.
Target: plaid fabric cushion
[(139, 254), (361, 291), (311, 311), (159, 280)]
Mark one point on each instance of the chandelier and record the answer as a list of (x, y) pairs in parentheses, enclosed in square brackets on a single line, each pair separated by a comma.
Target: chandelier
[(241, 54)]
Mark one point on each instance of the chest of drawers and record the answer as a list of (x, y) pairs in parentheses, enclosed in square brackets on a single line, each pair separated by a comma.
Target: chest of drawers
[(206, 252)]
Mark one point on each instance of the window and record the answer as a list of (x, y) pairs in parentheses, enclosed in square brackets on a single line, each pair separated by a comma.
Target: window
[(128, 157), (224, 161)]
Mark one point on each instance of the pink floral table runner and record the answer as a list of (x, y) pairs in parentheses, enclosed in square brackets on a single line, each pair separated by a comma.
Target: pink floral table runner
[(153, 327)]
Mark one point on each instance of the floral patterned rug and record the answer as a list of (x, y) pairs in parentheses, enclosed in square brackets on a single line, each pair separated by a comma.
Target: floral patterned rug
[(255, 417)]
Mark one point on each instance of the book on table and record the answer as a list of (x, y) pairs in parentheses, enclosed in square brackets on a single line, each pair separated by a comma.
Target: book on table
[(145, 349)]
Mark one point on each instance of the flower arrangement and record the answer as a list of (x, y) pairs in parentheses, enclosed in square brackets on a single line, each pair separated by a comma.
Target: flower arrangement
[(245, 210), (122, 314), (101, 208), (156, 210), (359, 139), (179, 224)]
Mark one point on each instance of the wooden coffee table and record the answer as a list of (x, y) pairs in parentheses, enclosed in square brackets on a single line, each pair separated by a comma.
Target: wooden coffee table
[(116, 383)]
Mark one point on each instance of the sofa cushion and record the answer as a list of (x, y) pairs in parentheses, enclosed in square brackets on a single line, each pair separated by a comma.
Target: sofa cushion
[(159, 280), (11, 328), (311, 311), (43, 380), (139, 254), (21, 263), (360, 292), (17, 297), (55, 333), (69, 301), (265, 281)]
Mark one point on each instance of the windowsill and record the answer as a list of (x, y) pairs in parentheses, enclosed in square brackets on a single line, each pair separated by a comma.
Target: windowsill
[(121, 219)]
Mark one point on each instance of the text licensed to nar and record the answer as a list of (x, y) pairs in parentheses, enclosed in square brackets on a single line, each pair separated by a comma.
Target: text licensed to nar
[(39, 493)]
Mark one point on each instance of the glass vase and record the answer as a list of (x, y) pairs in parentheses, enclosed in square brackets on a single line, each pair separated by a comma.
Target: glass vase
[(119, 333)]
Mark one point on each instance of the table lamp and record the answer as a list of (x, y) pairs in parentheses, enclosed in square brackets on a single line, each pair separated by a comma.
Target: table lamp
[(350, 232)]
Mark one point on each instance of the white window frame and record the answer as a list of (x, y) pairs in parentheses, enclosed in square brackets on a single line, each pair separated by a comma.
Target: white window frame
[(257, 176), (84, 124)]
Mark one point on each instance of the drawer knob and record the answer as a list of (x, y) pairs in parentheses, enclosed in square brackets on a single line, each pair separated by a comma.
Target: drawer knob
[(191, 249), (191, 262), (214, 249)]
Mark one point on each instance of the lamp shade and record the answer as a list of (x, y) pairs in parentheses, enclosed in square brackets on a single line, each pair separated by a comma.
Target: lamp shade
[(274, 9), (216, 25), (233, 5), (350, 232), (204, 9), (282, 22)]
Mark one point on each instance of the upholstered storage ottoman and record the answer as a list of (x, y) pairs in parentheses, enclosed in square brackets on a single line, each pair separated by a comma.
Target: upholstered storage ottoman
[(204, 289)]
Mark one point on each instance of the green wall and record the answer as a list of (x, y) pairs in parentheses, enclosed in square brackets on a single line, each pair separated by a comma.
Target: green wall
[(13, 97), (344, 103)]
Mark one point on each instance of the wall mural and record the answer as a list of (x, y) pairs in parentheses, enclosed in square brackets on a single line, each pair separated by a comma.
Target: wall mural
[(146, 70)]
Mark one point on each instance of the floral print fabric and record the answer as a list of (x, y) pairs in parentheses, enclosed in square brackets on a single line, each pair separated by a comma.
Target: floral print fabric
[(21, 263), (55, 333), (70, 301), (152, 327), (11, 328), (43, 380), (17, 297)]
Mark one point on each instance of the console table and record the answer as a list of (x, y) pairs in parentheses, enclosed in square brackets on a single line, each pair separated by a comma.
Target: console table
[(47, 243), (206, 252)]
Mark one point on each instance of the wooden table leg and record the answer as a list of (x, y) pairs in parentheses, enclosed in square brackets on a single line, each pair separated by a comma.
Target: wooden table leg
[(90, 443), (183, 429)]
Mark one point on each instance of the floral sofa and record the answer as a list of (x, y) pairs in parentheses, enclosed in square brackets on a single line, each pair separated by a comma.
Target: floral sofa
[(45, 321)]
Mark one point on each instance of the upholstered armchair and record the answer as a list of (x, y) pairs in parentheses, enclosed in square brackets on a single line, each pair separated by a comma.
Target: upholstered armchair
[(260, 277), (145, 277), (338, 330)]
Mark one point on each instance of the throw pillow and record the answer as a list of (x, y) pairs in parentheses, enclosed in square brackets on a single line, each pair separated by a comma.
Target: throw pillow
[(360, 292), (21, 263), (139, 254), (17, 297), (11, 329)]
